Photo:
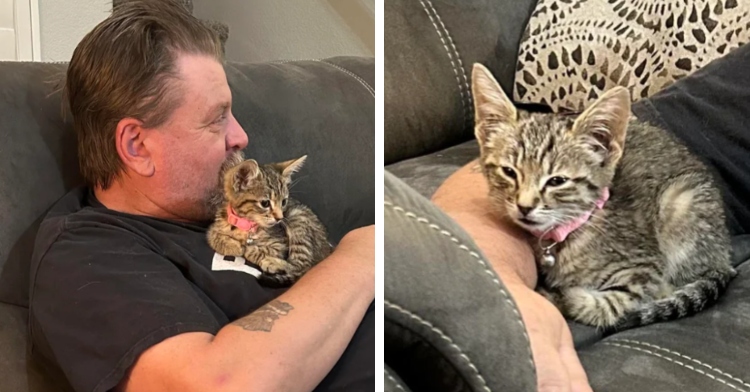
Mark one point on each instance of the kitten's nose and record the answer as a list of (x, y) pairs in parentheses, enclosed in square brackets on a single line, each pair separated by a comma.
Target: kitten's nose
[(524, 210), (278, 214)]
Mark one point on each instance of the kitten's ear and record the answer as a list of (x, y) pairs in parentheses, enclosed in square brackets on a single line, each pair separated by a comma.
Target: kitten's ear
[(245, 173), (290, 167), (491, 106), (604, 124)]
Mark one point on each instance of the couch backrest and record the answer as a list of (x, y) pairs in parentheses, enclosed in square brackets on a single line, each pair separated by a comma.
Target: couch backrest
[(430, 48), (324, 109)]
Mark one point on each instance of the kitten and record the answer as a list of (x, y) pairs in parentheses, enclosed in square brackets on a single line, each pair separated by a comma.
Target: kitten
[(260, 222), (633, 223)]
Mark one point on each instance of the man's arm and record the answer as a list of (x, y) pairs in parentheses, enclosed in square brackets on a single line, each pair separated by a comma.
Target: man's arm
[(463, 196), (289, 344)]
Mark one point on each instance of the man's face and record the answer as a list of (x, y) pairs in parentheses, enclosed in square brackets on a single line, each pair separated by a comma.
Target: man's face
[(201, 135)]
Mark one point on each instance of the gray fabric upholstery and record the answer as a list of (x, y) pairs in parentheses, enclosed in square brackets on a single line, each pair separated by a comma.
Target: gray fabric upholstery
[(707, 352), (450, 322), (324, 109), (430, 46), (392, 382), (425, 173), (17, 372)]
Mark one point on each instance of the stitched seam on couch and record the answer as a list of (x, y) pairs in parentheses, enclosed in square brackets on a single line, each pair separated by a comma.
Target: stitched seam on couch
[(683, 356), (352, 74), (678, 363), (291, 61), (443, 336), (464, 101), (448, 235), (458, 56), (393, 380)]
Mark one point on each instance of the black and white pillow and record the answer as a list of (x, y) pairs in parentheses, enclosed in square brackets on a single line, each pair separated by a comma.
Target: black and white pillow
[(573, 50)]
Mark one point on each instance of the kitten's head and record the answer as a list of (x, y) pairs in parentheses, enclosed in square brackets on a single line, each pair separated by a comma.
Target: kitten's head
[(545, 170), (260, 192)]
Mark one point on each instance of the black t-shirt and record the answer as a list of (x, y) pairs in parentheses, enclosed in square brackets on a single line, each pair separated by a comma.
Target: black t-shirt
[(106, 286)]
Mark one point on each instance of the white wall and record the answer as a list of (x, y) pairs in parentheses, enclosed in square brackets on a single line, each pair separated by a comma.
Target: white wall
[(263, 30), (63, 23), (7, 31)]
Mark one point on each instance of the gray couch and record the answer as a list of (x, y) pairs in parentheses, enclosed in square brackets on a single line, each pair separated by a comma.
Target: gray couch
[(321, 108), (430, 48)]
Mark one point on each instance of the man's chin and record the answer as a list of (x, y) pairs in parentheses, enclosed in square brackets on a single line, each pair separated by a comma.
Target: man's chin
[(213, 202)]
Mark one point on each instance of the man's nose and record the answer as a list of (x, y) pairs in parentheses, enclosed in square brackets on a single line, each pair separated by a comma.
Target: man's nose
[(236, 136)]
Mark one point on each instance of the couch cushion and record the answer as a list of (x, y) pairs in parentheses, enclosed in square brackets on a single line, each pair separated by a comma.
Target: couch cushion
[(706, 352), (324, 109), (425, 173), (430, 46)]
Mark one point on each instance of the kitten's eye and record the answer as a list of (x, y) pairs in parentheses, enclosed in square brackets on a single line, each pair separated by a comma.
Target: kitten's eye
[(557, 181), (283, 203), (509, 172), (265, 203)]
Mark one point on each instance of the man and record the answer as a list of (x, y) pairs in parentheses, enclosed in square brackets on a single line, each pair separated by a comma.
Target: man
[(122, 291)]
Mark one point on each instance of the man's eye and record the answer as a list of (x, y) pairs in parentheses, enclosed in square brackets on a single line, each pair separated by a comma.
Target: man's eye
[(220, 119), (265, 203)]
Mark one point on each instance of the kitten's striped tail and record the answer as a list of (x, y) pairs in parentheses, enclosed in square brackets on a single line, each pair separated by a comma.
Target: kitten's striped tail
[(685, 301)]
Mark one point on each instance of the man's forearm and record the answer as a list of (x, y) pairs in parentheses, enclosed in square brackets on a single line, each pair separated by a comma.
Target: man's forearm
[(292, 342), (463, 196)]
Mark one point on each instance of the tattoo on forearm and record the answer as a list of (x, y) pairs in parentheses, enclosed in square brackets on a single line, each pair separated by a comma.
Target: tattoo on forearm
[(263, 318)]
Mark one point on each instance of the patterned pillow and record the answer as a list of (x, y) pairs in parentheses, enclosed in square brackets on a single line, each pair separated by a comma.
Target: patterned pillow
[(573, 50)]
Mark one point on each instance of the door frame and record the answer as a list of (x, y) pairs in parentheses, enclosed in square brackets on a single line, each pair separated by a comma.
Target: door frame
[(26, 19)]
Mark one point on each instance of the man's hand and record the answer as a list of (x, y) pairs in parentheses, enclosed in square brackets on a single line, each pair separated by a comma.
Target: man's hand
[(557, 364)]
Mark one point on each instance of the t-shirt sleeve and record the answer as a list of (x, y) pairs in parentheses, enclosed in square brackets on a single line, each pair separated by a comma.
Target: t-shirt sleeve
[(101, 297)]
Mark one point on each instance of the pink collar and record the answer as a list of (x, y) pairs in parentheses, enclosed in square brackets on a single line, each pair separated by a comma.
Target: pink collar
[(239, 222), (560, 233)]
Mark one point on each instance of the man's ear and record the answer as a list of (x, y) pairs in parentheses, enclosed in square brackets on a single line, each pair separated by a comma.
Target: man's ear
[(130, 139)]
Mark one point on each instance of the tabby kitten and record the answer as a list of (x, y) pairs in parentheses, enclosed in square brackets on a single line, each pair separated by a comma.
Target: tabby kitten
[(629, 225), (260, 222)]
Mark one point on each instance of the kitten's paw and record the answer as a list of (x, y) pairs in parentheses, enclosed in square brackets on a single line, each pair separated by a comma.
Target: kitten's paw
[(550, 295), (601, 309), (273, 265), (228, 247)]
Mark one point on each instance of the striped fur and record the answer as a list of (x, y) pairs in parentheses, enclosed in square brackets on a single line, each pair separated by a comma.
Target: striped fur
[(290, 238), (658, 250)]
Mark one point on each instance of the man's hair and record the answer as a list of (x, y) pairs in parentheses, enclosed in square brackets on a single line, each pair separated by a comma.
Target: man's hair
[(126, 67)]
